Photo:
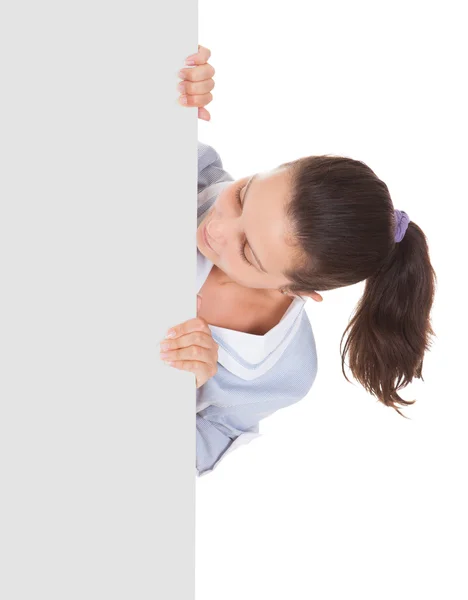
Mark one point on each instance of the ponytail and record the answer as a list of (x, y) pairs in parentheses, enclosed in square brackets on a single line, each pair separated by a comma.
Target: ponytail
[(391, 328)]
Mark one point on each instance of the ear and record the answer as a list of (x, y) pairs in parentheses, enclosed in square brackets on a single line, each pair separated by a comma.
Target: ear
[(314, 295)]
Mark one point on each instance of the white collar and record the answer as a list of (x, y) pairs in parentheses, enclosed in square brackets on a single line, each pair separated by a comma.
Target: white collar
[(245, 354)]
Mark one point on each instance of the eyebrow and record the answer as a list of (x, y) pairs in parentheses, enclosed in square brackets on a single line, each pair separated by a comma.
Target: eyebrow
[(243, 204)]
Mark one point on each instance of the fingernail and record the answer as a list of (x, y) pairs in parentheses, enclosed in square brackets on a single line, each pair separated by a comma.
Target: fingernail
[(183, 99), (189, 62), (181, 74), (181, 87), (170, 334)]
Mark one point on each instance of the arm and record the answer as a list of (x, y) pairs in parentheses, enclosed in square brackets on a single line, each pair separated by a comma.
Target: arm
[(219, 432)]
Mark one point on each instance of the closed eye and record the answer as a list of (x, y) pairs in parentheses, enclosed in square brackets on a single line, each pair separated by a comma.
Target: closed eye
[(242, 247)]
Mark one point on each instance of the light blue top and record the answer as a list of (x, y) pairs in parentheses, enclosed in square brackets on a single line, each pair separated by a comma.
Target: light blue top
[(257, 375)]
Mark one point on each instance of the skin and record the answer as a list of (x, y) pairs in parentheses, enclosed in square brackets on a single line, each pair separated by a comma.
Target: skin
[(197, 83), (258, 225), (260, 220)]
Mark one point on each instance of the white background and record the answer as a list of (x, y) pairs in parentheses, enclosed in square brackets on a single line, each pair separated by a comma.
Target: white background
[(341, 497)]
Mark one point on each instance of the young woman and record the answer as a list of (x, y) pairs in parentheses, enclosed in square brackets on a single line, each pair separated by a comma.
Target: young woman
[(266, 243)]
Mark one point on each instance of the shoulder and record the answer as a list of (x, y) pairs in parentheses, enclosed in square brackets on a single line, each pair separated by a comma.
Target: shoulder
[(210, 167), (208, 156), (297, 368), (288, 381)]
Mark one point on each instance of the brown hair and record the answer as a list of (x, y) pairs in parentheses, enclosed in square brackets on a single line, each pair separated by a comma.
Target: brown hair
[(343, 225)]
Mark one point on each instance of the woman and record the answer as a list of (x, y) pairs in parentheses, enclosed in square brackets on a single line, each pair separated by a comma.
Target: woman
[(266, 243)]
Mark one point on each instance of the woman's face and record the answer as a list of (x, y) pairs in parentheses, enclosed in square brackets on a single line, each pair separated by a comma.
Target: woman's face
[(248, 218)]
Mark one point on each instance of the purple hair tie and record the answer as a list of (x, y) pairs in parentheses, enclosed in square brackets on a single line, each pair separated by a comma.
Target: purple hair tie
[(402, 222)]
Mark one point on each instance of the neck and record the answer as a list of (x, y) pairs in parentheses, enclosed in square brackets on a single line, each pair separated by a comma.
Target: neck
[(262, 293)]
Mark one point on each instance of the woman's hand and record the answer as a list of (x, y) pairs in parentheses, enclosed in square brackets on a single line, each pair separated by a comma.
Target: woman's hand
[(197, 83), (192, 349)]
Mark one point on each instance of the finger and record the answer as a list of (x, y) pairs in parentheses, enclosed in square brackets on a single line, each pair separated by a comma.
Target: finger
[(191, 353), (202, 100), (200, 57), (204, 114), (198, 73), (197, 324), (196, 338), (196, 88)]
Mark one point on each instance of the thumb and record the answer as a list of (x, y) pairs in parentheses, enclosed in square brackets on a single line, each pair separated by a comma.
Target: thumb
[(199, 300), (204, 114)]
